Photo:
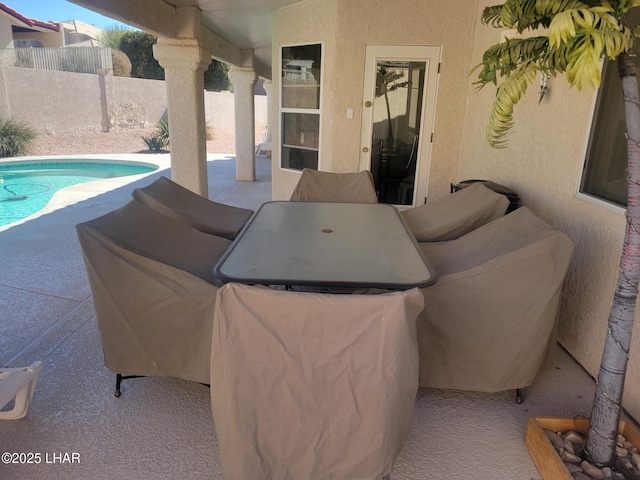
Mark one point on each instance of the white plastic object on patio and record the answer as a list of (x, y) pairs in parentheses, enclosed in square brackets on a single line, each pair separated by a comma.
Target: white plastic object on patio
[(18, 383)]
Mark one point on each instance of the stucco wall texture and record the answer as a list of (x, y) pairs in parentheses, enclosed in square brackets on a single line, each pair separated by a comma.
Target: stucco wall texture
[(67, 102), (345, 28), (543, 161)]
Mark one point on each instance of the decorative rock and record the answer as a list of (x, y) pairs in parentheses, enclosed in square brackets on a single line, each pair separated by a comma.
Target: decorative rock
[(572, 467), (575, 438), (580, 476), (591, 470), (570, 458), (570, 447), (555, 439), (621, 452)]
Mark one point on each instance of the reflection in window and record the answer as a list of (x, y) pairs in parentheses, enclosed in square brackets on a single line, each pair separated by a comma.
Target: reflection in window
[(605, 173), (300, 106)]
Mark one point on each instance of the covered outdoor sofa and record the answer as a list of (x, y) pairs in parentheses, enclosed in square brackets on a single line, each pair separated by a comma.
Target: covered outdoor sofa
[(489, 322), (454, 215), (153, 290), (173, 200)]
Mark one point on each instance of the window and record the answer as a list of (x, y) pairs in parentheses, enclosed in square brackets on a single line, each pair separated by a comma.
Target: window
[(605, 171), (300, 102)]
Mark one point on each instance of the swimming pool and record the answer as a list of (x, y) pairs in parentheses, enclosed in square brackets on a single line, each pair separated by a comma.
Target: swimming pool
[(27, 187)]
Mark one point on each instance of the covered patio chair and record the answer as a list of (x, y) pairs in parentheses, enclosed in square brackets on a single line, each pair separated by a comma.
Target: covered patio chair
[(455, 215), (173, 200), (153, 291), (316, 186), (490, 319), (310, 385)]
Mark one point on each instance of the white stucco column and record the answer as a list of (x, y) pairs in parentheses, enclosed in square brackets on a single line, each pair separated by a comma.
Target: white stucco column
[(184, 62), (268, 87), (244, 80)]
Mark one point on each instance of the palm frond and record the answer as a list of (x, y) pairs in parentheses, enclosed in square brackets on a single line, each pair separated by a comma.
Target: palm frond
[(580, 34), (491, 16), (509, 93), (504, 58)]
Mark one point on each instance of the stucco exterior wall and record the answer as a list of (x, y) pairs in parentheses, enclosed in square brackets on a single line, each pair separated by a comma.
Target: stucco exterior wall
[(543, 163), (48, 40), (66, 102), (346, 27), (6, 35), (47, 99), (312, 21)]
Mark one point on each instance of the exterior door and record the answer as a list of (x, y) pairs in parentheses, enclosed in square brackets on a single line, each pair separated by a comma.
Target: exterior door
[(400, 86)]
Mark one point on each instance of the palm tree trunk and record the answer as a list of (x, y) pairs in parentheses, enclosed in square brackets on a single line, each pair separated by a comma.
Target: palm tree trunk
[(605, 415)]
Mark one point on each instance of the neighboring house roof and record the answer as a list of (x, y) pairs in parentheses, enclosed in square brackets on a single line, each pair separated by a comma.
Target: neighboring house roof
[(20, 21), (81, 34)]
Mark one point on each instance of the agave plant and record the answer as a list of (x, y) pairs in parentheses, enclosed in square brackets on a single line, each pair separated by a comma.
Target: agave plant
[(163, 130), (155, 142), (580, 33), (161, 137)]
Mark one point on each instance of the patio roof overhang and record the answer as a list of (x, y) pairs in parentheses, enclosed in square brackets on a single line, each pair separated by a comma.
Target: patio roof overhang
[(190, 33), (229, 28)]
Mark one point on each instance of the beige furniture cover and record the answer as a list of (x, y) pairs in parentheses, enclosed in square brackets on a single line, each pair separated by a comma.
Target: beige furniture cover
[(490, 319), (316, 186), (173, 200), (151, 279), (455, 215), (311, 385)]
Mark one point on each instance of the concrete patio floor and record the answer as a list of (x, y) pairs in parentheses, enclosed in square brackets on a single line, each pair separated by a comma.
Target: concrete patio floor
[(162, 428)]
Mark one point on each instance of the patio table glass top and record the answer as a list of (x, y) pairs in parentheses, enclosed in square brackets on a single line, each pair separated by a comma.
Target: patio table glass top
[(326, 244)]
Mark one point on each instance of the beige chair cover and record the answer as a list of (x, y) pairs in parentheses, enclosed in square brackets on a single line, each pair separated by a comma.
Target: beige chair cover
[(173, 200), (490, 319), (150, 278), (315, 186), (310, 385), (455, 215)]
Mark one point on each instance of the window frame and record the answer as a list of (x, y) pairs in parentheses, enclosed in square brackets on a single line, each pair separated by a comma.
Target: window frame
[(288, 110)]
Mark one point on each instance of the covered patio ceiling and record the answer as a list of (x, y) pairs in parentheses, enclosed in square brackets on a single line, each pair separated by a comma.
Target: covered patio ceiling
[(233, 26)]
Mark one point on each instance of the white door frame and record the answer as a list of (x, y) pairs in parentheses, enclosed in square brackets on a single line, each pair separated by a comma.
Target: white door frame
[(430, 54)]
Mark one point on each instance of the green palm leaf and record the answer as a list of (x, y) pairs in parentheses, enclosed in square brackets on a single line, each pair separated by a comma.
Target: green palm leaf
[(508, 94), (580, 34)]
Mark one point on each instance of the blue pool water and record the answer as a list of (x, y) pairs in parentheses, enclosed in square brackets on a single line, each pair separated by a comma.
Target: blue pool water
[(26, 188)]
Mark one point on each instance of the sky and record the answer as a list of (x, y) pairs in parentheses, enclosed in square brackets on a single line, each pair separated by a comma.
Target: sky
[(60, 11)]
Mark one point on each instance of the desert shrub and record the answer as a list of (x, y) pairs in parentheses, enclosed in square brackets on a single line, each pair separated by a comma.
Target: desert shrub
[(138, 46), (163, 129), (15, 137), (121, 64), (155, 142), (160, 139), (216, 77), (111, 37)]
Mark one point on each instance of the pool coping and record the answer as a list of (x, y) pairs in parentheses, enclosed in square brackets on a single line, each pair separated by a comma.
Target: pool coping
[(83, 191)]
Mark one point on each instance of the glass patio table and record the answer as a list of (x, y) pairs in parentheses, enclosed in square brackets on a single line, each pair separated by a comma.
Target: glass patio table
[(350, 245)]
